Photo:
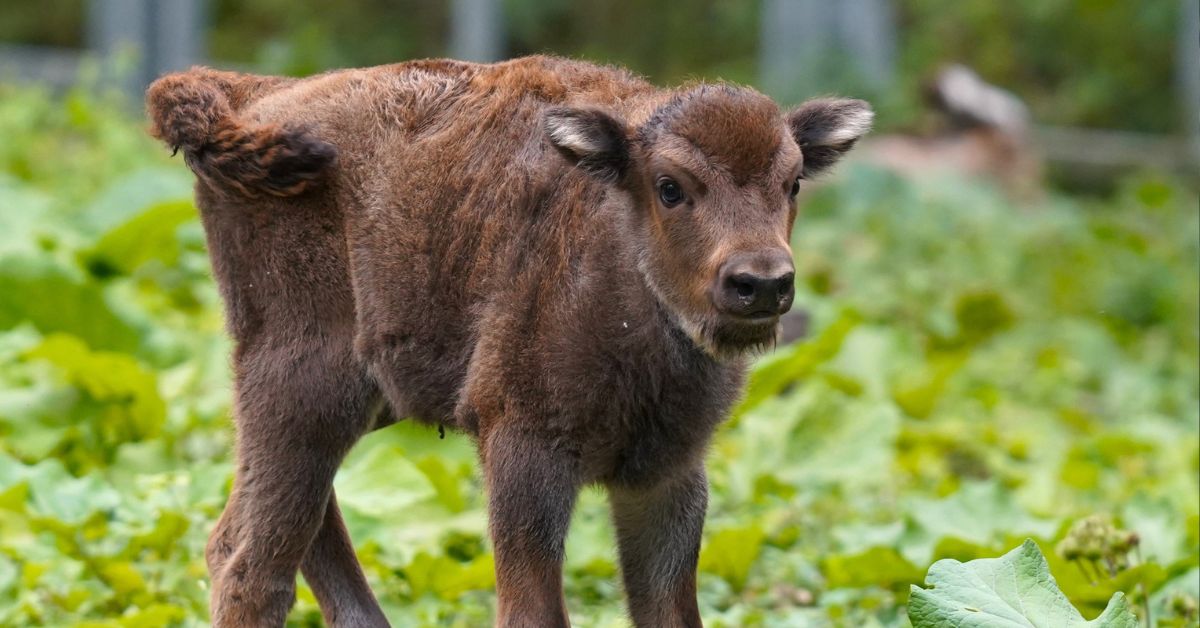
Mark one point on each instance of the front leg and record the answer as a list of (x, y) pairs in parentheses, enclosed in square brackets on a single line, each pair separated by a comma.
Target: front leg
[(658, 535), (531, 493)]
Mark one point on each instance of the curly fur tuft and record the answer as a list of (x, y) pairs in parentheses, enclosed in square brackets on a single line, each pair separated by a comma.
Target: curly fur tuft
[(190, 111)]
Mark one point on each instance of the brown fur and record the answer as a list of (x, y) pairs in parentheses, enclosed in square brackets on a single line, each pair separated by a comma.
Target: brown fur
[(483, 247)]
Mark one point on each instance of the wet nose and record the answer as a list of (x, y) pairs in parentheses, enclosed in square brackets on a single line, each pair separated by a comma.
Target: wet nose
[(756, 285)]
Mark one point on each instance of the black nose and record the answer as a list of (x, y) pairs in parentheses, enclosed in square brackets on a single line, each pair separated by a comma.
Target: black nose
[(756, 285)]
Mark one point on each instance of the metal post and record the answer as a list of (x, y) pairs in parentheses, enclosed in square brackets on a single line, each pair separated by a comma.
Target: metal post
[(807, 45), (476, 30), (1187, 66), (116, 30), (794, 34), (177, 36), (868, 30), (142, 39)]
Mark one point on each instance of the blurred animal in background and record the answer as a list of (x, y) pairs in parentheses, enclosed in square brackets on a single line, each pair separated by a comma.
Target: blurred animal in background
[(980, 131), (559, 259)]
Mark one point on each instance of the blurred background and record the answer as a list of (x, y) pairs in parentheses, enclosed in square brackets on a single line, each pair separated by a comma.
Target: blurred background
[(1003, 285)]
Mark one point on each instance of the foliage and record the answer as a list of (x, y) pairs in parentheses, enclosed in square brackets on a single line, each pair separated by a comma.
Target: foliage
[(979, 373), (1093, 63), (1014, 590)]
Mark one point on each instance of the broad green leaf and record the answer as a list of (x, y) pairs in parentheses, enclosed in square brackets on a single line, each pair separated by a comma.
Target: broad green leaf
[(445, 482), (155, 615), (147, 236), (878, 566), (918, 393), (62, 500), (1015, 590), (21, 227), (853, 449), (779, 372), (383, 483), (55, 299), (124, 199), (129, 391), (731, 552), (448, 578), (124, 579), (980, 513)]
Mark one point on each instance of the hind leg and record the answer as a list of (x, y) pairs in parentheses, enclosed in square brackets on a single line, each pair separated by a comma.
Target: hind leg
[(223, 539), (299, 411), (336, 578)]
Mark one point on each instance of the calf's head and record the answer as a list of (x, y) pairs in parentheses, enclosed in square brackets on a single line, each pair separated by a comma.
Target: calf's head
[(711, 179)]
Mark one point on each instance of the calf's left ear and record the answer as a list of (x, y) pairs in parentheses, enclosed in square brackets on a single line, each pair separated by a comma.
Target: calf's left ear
[(589, 138), (826, 128)]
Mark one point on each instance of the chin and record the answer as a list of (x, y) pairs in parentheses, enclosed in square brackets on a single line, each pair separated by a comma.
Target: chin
[(719, 335), (727, 338)]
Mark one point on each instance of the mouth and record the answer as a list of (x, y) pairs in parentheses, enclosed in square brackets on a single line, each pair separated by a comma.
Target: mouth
[(759, 317), (745, 333)]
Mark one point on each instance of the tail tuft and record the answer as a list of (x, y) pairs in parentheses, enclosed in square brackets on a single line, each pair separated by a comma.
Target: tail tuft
[(190, 111)]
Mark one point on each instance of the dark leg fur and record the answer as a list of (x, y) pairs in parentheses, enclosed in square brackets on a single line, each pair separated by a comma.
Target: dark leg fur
[(336, 578), (531, 493), (299, 410), (658, 534)]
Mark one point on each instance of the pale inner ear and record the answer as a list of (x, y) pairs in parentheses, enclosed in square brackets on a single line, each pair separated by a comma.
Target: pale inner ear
[(571, 133), (826, 128), (589, 138), (853, 124)]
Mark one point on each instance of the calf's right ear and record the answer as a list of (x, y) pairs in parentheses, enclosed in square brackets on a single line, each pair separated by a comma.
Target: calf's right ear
[(589, 138)]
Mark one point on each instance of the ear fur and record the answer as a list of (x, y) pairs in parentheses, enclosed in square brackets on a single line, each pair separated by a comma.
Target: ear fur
[(826, 128), (590, 138)]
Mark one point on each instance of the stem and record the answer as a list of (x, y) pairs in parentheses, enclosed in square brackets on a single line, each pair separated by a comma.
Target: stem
[(1088, 576), (1112, 566), (1137, 552)]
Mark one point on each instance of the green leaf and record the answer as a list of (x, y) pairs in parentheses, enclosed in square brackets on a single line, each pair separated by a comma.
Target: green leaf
[(147, 236), (731, 552), (110, 378), (54, 299), (1015, 590), (445, 482), (383, 484), (124, 199), (980, 512), (447, 578), (778, 372), (877, 566), (60, 500)]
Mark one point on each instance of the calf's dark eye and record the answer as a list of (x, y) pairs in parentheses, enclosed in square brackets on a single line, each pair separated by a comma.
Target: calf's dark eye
[(795, 187), (669, 192)]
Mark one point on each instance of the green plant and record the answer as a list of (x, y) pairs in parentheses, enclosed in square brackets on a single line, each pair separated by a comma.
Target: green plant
[(979, 373)]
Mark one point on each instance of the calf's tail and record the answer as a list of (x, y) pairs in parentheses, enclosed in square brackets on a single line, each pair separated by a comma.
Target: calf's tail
[(192, 111)]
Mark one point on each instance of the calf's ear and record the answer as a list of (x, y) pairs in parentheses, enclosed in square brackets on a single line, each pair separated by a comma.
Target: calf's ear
[(826, 128), (590, 138)]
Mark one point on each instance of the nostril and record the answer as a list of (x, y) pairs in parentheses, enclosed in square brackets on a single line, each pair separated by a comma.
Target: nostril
[(786, 284), (743, 285)]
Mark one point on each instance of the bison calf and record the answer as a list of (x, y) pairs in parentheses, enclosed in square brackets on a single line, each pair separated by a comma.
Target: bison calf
[(556, 258)]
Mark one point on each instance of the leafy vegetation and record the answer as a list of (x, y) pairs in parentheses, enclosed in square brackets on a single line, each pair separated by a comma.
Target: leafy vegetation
[(979, 373), (1015, 590), (1092, 63)]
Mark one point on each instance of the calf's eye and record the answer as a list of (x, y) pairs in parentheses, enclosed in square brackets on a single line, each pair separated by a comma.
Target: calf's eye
[(795, 187), (669, 192)]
